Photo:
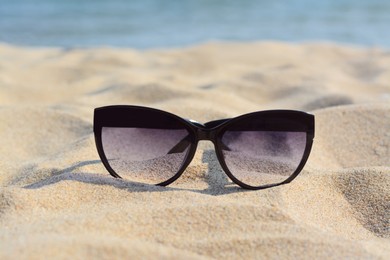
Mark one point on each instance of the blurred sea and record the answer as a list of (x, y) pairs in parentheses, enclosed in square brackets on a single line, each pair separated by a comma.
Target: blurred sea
[(176, 23)]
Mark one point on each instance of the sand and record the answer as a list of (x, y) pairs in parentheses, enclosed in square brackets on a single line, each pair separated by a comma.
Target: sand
[(57, 200)]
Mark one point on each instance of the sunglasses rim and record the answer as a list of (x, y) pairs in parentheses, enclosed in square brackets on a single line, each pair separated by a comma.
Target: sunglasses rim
[(196, 131)]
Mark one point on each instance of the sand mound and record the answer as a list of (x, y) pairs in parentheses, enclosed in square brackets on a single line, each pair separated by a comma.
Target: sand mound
[(352, 136), (364, 190), (57, 200)]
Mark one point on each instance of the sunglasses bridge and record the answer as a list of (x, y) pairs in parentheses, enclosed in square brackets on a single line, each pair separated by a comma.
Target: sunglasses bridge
[(207, 131)]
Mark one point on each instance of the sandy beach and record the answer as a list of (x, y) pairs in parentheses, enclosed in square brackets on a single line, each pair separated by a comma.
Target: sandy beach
[(58, 201)]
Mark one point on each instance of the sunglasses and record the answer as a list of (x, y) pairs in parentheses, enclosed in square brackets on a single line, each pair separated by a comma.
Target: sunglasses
[(256, 150)]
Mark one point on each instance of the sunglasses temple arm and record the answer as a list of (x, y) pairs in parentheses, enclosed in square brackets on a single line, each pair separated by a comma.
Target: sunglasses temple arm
[(184, 143), (180, 146)]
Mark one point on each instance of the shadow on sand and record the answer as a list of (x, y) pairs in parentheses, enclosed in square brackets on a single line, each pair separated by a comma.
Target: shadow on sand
[(217, 180)]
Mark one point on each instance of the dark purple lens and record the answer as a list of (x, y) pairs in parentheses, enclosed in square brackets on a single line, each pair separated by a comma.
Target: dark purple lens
[(144, 154), (263, 152)]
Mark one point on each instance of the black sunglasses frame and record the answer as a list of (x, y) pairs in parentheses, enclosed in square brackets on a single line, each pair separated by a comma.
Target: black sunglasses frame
[(120, 116)]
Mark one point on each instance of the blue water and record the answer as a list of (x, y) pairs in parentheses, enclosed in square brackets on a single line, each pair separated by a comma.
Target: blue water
[(176, 23)]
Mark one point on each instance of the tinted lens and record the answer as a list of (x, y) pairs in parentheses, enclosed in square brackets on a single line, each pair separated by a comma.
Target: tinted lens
[(144, 154), (261, 151)]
